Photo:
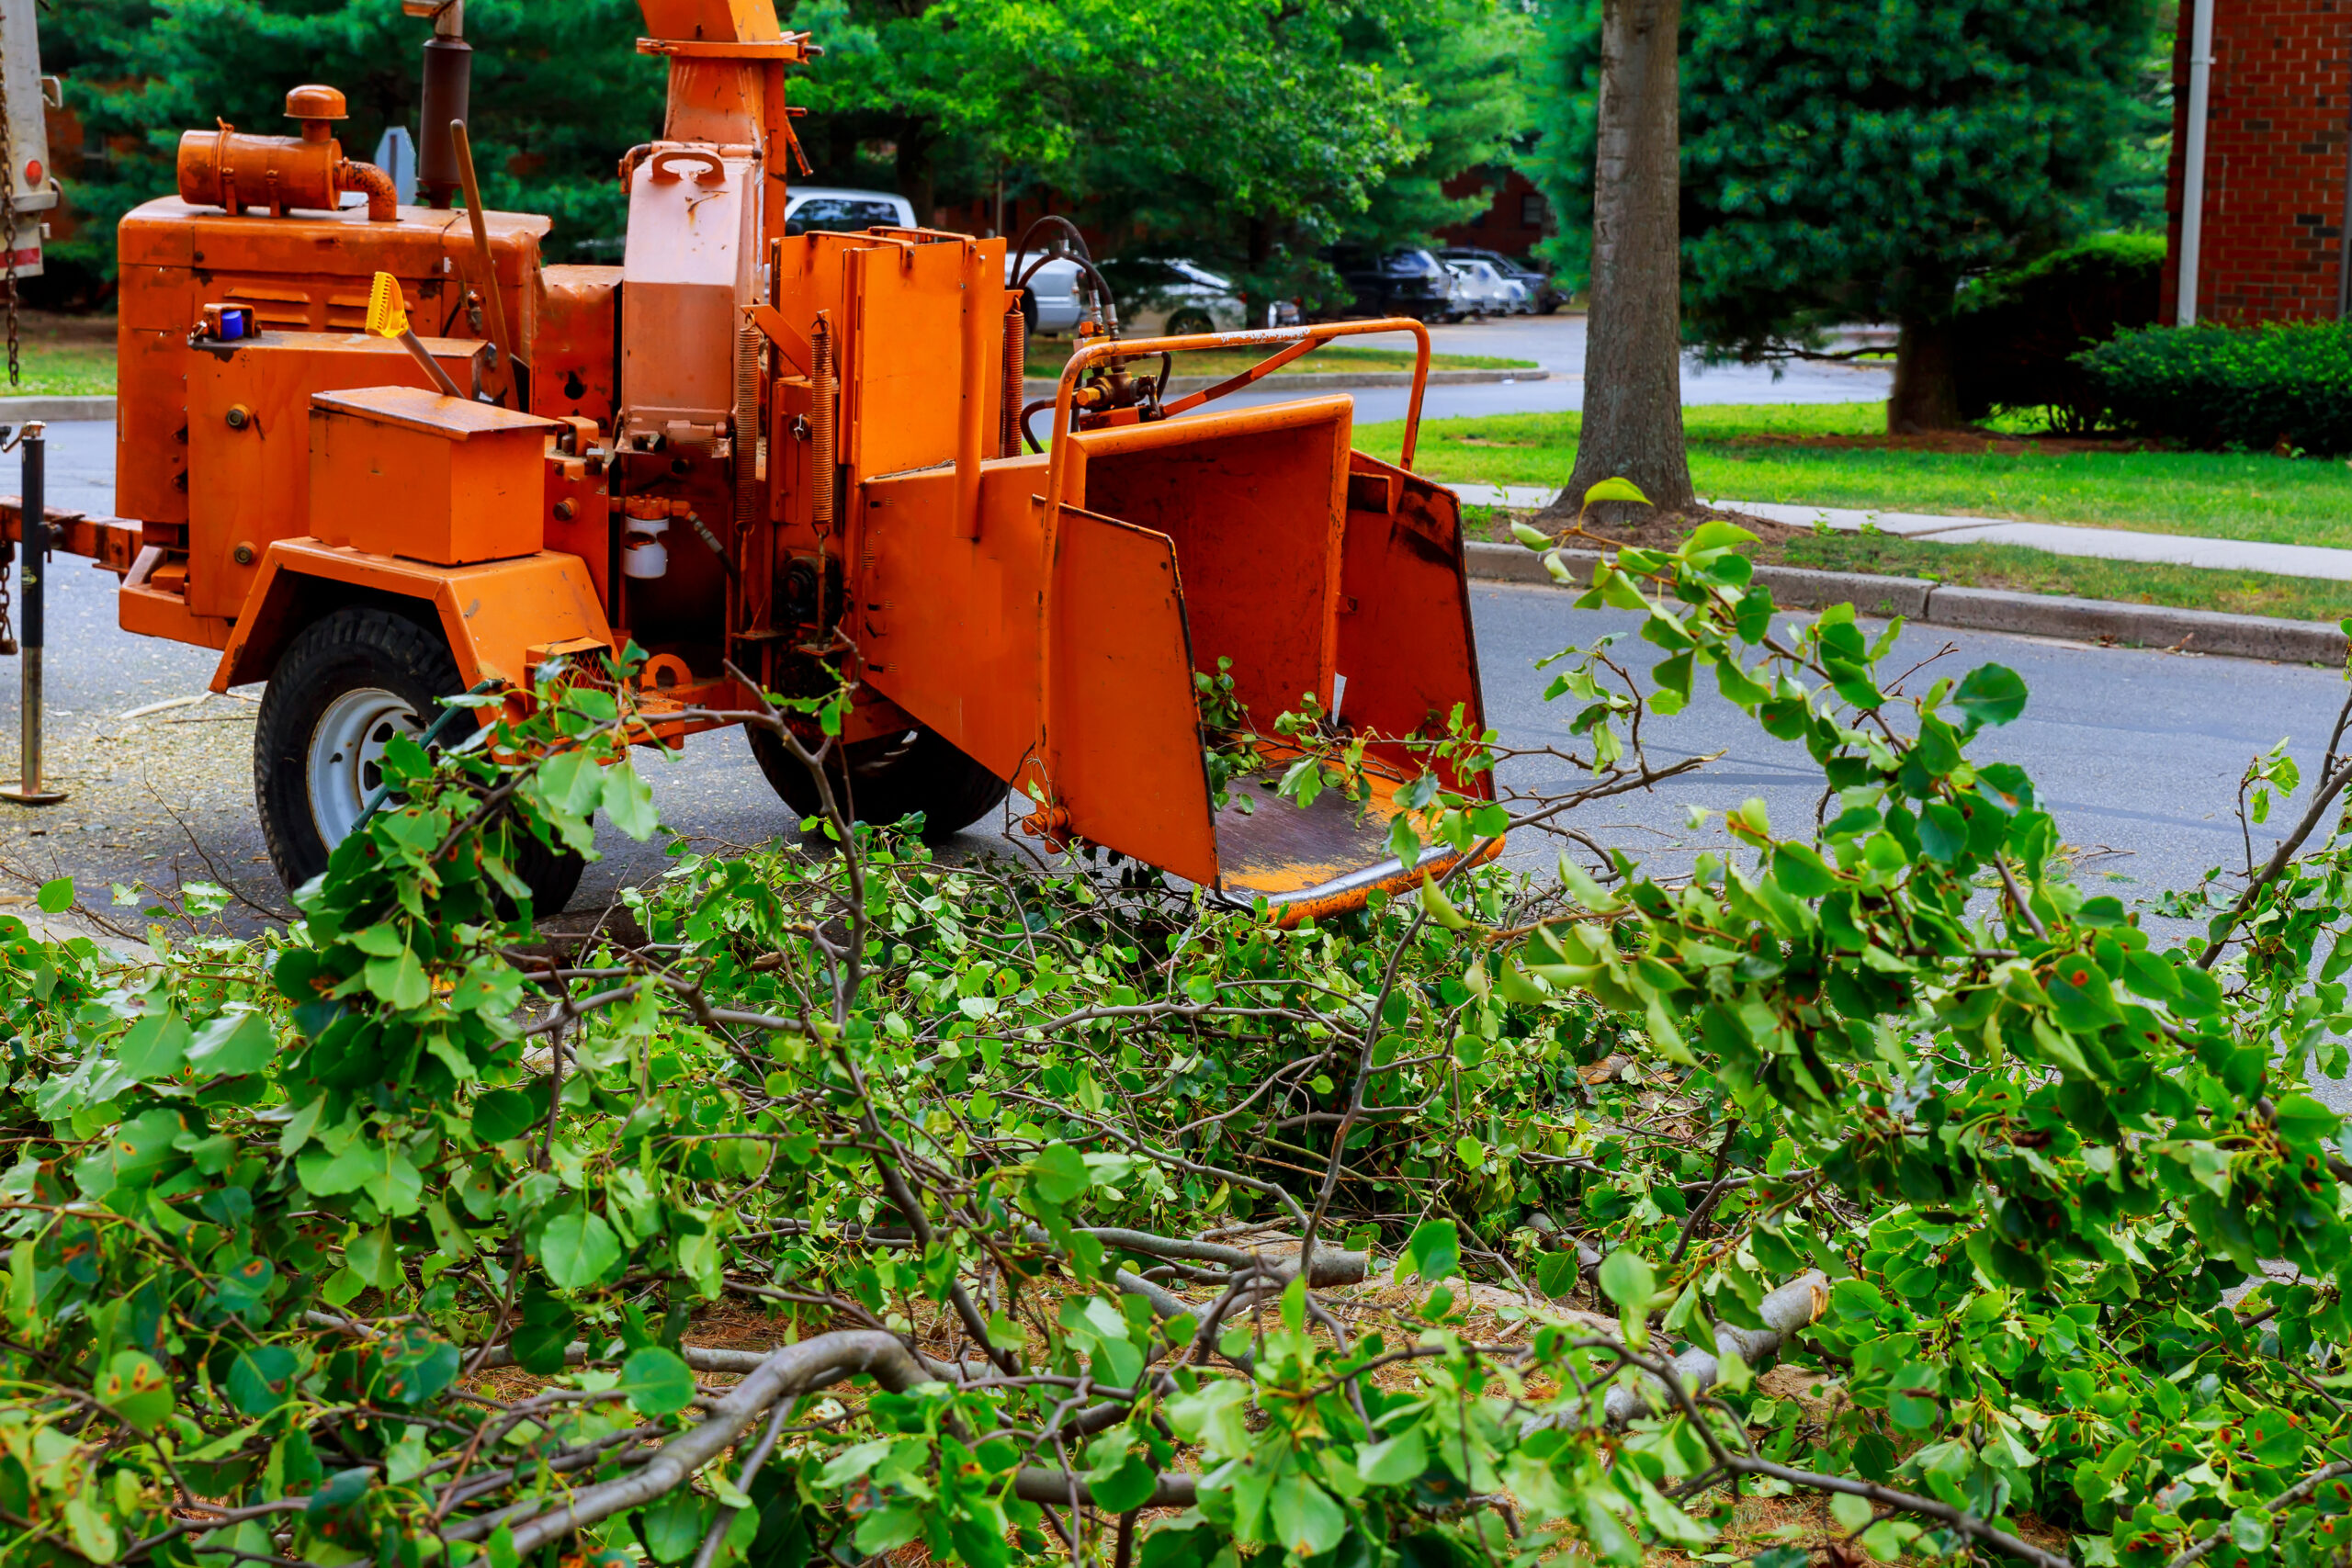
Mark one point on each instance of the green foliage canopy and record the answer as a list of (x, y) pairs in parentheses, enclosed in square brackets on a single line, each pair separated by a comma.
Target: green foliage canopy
[(1236, 128)]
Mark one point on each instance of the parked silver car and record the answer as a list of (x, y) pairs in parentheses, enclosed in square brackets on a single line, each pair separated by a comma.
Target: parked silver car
[(1176, 298), (1052, 300), (1480, 290)]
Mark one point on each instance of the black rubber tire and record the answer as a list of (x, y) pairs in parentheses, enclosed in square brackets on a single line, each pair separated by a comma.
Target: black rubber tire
[(1190, 323), (889, 778), (356, 647)]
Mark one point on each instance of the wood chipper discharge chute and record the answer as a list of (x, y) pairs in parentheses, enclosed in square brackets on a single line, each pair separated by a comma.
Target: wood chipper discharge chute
[(768, 460)]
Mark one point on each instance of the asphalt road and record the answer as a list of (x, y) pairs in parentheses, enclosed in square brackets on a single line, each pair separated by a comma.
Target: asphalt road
[(1556, 342)]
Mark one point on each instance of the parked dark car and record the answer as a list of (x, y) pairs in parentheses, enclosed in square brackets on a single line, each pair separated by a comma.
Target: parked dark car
[(1399, 283), (1545, 295)]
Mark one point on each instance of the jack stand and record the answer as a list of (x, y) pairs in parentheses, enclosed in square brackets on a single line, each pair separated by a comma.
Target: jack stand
[(35, 508)]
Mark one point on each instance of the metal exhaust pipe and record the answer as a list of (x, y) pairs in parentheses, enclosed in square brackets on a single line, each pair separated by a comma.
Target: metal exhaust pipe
[(449, 89)]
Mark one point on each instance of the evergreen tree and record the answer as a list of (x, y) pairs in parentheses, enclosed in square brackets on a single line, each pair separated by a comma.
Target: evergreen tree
[(1848, 160)]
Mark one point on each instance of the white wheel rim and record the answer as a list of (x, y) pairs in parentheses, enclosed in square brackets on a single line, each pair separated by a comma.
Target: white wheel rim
[(347, 756)]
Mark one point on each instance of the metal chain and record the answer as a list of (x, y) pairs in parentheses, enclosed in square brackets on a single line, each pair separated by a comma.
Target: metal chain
[(9, 221)]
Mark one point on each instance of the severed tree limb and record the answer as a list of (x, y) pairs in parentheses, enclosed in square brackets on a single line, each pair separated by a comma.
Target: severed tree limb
[(1794, 1306), (785, 1373)]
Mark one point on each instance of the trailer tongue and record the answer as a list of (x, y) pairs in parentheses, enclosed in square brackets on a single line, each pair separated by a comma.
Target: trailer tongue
[(782, 455)]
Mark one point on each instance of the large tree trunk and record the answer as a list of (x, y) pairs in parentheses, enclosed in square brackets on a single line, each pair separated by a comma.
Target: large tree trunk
[(1633, 362), (1926, 396)]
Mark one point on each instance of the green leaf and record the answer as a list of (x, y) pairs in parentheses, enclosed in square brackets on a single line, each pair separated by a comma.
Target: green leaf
[(1615, 490), (156, 1045), (1991, 693), (1396, 1461), (2302, 1120), (1130, 1485), (398, 982), (1306, 1520), (673, 1528), (135, 1388), (1850, 1512), (545, 1335), (504, 1113), (657, 1380), (55, 898), (233, 1046), (888, 1529), (1626, 1279), (1058, 1175), (629, 802), (1434, 1252), (1534, 538), (1715, 535), (577, 1248), (261, 1376)]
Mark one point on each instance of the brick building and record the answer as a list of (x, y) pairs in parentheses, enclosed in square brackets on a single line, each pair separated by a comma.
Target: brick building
[(1514, 220), (2277, 163)]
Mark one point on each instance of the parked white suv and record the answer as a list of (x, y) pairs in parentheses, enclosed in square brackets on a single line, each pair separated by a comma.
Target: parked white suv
[(1052, 300)]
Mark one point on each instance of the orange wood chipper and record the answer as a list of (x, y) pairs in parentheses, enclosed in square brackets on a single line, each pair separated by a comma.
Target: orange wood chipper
[(747, 451)]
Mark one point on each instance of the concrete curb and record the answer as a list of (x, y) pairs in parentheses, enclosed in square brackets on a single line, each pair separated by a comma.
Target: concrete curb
[(1989, 609), (15, 410), (1038, 387)]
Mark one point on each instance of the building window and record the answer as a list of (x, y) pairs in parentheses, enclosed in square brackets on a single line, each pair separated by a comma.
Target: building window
[(1532, 211)]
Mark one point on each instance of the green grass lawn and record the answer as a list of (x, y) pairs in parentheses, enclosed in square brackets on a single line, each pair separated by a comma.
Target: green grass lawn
[(2302, 501), (62, 368), (2019, 570), (1047, 357)]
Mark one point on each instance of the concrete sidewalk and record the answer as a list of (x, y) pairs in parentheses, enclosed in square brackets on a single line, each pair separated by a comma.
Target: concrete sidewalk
[(2058, 538)]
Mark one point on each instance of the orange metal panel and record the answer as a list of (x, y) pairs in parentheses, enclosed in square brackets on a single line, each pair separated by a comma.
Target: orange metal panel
[(717, 21), (155, 612), (404, 471), (494, 615), (248, 443), (572, 364), (1125, 760), (948, 625), (1254, 502), (693, 255), (899, 406), (1406, 644)]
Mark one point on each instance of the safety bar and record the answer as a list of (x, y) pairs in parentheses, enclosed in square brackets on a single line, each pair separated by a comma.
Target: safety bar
[(1295, 342)]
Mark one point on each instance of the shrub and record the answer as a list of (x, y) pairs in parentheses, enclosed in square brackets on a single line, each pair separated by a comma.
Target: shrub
[(2284, 385), (2019, 331)]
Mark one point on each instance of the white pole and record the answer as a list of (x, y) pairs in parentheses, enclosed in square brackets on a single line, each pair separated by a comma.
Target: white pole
[(2192, 185)]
